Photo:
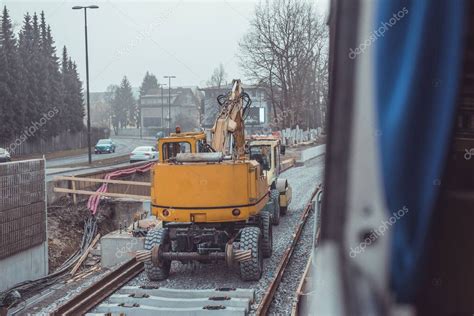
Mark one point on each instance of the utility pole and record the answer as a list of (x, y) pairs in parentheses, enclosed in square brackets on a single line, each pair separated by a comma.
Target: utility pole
[(87, 78), (162, 107), (169, 102)]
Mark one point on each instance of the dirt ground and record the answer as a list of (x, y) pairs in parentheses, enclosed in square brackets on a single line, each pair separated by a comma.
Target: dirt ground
[(66, 224)]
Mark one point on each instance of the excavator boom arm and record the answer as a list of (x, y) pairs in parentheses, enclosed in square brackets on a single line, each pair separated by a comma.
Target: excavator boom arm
[(229, 128)]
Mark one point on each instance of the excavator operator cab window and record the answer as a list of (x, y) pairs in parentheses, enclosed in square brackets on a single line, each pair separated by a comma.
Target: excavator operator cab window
[(262, 154), (170, 150)]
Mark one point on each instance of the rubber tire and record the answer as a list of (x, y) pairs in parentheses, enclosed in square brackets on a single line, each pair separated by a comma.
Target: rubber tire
[(275, 198), (267, 236), (157, 237), (251, 239)]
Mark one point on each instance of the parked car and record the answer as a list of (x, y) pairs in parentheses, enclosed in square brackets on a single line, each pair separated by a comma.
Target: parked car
[(4, 155), (105, 146), (143, 153)]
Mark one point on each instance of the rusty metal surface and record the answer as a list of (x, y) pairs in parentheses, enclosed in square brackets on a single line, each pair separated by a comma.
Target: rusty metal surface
[(22, 206), (99, 291)]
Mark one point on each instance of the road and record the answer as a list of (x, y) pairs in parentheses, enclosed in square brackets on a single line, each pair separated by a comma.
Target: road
[(124, 146)]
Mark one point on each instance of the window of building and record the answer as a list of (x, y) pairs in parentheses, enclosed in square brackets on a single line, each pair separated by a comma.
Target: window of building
[(256, 115)]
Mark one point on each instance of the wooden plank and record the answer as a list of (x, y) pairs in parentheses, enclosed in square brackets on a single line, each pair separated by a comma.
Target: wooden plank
[(85, 254), (74, 196), (118, 195), (69, 178)]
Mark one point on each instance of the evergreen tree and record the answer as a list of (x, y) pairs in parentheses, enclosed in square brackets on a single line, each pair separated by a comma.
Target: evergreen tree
[(77, 104), (34, 84), (11, 105), (53, 86), (149, 86), (29, 58), (41, 68), (123, 104)]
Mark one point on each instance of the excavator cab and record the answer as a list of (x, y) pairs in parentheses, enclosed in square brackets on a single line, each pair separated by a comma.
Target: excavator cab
[(191, 142), (267, 151)]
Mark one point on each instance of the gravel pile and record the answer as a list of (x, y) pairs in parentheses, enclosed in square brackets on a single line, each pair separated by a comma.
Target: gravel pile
[(303, 181)]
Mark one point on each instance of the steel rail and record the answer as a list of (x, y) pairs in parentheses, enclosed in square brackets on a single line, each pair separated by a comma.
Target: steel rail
[(100, 290), (266, 302)]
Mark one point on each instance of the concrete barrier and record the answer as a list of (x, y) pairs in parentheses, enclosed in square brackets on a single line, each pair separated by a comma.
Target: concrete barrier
[(308, 156), (118, 247), (23, 239)]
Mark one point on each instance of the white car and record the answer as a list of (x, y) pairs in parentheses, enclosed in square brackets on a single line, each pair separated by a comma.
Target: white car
[(143, 153), (4, 155)]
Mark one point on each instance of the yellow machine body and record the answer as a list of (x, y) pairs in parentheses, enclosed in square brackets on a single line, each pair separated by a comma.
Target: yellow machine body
[(204, 192), (227, 191)]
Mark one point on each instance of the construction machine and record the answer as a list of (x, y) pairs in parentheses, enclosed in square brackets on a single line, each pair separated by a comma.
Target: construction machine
[(214, 202), (267, 150)]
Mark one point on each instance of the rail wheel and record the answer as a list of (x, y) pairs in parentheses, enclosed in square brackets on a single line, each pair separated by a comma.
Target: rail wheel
[(275, 197), (267, 238), (157, 237), (251, 239)]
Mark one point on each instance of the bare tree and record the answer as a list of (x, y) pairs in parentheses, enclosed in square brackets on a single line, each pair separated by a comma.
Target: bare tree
[(218, 77), (285, 52)]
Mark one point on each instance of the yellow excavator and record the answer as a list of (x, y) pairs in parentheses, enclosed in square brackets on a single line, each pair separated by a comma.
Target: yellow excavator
[(213, 201)]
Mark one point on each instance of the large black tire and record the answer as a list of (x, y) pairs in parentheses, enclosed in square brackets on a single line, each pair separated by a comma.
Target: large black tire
[(275, 198), (251, 239), (157, 237), (267, 234)]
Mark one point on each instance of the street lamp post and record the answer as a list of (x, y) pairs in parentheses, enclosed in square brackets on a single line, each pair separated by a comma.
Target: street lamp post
[(162, 106), (87, 78), (169, 102)]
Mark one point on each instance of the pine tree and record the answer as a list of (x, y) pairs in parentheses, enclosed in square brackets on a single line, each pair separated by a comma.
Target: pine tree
[(11, 105), (29, 58), (53, 89), (77, 109), (123, 104), (42, 69), (149, 85)]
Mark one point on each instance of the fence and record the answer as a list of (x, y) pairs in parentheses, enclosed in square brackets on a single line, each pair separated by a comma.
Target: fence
[(296, 136), (22, 206), (63, 141)]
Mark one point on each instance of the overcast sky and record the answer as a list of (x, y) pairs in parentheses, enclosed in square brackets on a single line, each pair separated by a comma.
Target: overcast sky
[(186, 38)]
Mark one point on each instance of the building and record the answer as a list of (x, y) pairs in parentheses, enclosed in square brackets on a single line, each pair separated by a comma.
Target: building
[(258, 118), (184, 109)]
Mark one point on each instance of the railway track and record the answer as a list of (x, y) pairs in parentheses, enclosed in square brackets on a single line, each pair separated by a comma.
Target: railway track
[(266, 302), (99, 291), (145, 300)]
